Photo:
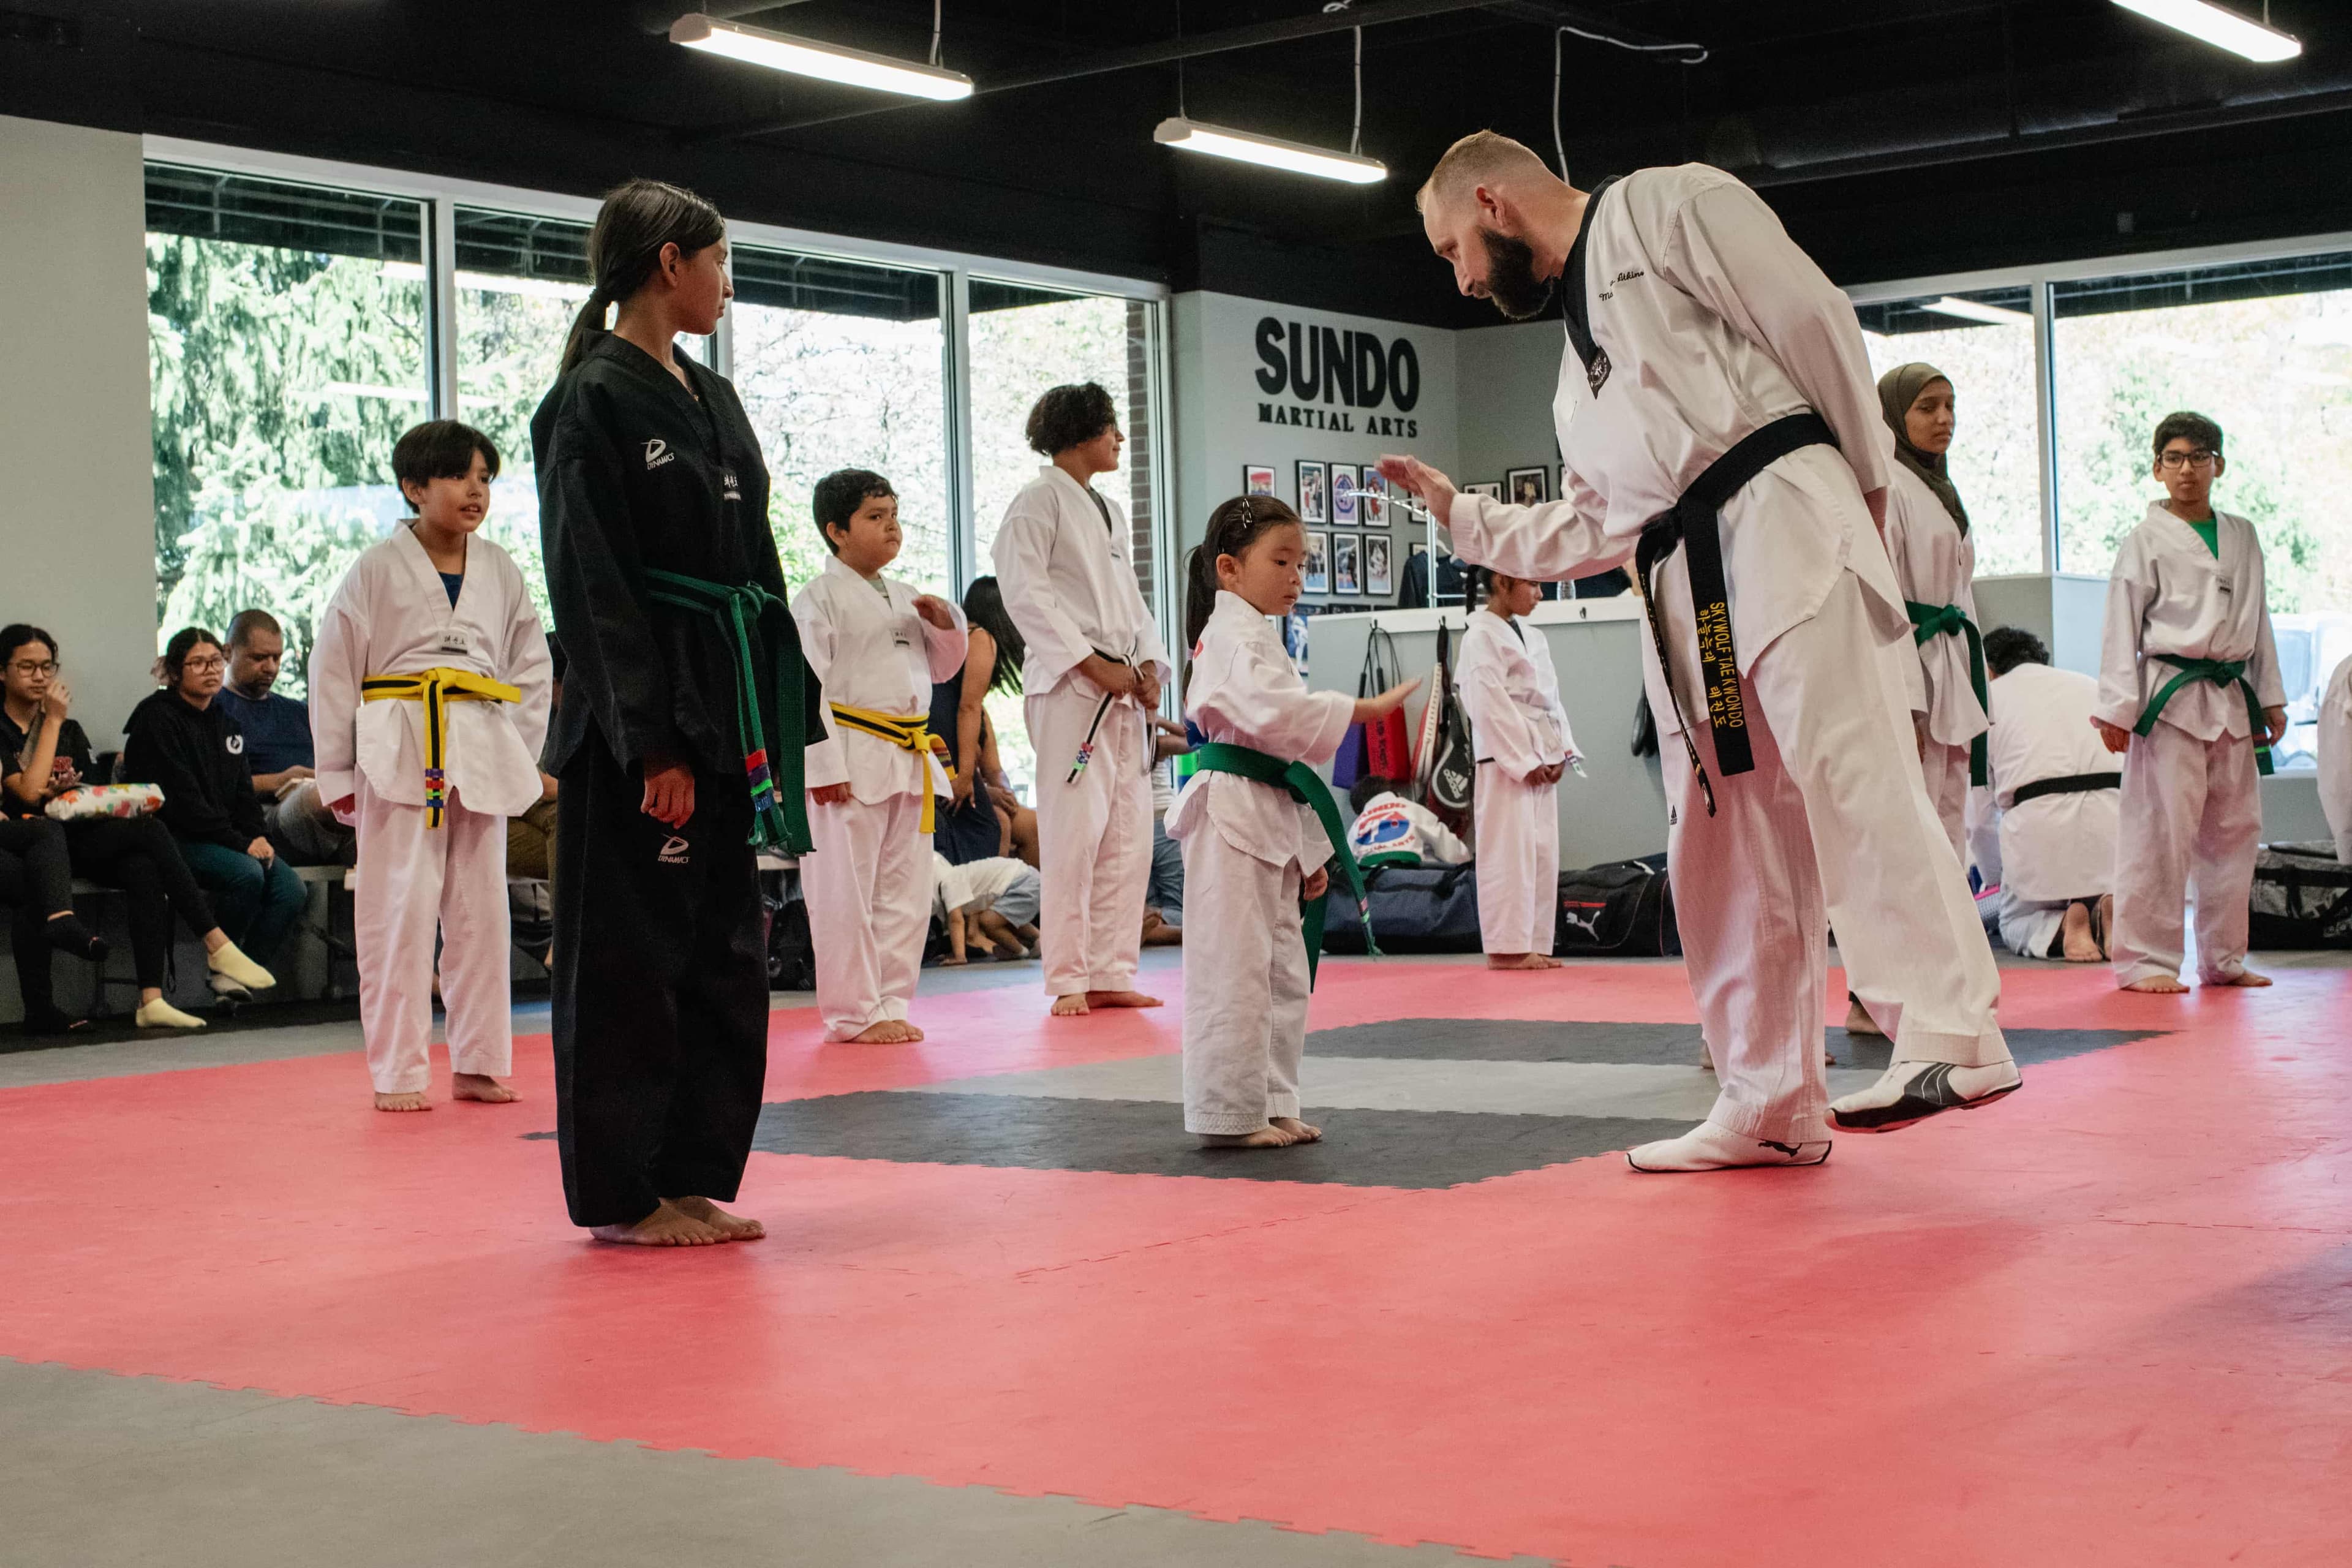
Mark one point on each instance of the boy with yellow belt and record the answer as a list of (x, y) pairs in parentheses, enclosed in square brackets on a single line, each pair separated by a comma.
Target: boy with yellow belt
[(877, 646), (429, 684)]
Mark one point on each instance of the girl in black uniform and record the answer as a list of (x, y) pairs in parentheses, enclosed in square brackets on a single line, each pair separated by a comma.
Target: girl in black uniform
[(678, 744)]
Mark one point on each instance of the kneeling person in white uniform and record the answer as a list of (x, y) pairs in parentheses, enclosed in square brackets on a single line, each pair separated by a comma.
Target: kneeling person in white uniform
[(1392, 830), (1520, 733), (2058, 796), (2189, 692), (877, 646), (2336, 758), (989, 904), (429, 685), (1258, 826), (1719, 426)]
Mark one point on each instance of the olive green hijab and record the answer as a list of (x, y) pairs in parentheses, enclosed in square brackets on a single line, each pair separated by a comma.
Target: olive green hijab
[(1897, 390)]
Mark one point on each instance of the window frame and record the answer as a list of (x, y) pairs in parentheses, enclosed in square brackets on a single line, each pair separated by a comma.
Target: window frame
[(2039, 281), (441, 197)]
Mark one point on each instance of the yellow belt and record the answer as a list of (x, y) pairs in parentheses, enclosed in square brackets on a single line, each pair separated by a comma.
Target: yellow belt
[(908, 734), (436, 688)]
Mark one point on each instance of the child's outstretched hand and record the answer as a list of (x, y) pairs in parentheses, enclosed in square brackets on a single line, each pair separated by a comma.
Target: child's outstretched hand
[(1387, 702), (1317, 883), (934, 609)]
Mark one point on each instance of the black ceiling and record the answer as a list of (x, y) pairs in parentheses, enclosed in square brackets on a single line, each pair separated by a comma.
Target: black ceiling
[(1896, 137)]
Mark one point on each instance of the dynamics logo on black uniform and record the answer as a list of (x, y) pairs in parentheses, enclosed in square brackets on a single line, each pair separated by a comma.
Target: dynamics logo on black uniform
[(657, 453), (673, 852)]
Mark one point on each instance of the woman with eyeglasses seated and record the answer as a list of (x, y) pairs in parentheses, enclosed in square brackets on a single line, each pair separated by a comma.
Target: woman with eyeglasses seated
[(42, 753), (181, 739)]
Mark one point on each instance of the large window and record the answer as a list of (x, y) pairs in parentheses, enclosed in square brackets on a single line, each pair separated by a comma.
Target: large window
[(1984, 342), (844, 365), (287, 352)]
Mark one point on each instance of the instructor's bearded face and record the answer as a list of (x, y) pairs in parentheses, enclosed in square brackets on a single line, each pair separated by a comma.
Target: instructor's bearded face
[(1511, 281)]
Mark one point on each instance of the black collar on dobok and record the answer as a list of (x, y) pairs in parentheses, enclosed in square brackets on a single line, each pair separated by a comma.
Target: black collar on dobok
[(1575, 302), (1693, 524)]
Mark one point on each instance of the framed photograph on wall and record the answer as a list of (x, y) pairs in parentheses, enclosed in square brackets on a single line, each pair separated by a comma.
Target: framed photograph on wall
[(1317, 574), (1527, 487), (1343, 495), (1378, 582), (1312, 492), (1347, 571), (1257, 479), (1372, 498), (1491, 489)]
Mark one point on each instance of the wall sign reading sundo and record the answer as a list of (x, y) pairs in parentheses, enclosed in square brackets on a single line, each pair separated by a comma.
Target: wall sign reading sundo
[(1355, 370)]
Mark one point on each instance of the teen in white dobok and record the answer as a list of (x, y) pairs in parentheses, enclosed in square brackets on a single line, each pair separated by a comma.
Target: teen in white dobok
[(2059, 800), (2336, 758), (1092, 674), (877, 646), (1710, 365), (1520, 732), (2189, 692), (429, 688)]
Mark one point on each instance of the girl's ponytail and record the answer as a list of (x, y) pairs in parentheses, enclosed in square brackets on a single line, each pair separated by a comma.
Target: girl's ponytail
[(1200, 595), (585, 326)]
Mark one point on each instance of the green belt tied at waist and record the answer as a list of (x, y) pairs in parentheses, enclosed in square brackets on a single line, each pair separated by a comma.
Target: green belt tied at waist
[(1946, 620), (1309, 791), (778, 809), (2220, 672)]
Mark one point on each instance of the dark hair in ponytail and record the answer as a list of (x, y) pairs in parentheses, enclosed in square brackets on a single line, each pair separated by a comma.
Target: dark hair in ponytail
[(638, 219), (1233, 527)]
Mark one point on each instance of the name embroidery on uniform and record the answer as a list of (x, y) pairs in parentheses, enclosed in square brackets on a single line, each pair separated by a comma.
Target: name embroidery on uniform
[(657, 453)]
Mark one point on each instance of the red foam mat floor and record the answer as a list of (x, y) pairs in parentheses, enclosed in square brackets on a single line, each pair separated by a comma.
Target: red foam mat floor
[(2109, 1321)]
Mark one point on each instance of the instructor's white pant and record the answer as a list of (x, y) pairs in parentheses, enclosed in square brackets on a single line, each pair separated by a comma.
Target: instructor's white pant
[(1833, 824), (1093, 841), (412, 878), (868, 886), (1518, 861), (2192, 816), (1245, 986)]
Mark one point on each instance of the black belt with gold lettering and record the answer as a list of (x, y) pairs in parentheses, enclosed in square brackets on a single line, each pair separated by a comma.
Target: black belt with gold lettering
[(1693, 524)]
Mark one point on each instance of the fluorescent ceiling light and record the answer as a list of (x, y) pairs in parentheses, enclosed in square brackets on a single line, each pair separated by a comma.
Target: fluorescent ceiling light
[(2218, 25), (806, 57), (1272, 152), (1970, 310)]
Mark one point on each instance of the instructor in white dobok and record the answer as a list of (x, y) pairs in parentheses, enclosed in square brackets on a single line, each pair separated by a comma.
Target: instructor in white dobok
[(1093, 674), (1719, 426)]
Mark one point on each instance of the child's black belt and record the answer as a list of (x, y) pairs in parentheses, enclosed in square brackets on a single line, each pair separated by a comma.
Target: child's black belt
[(2070, 784), (1693, 524)]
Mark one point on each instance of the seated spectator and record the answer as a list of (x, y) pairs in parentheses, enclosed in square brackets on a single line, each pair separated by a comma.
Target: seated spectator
[(985, 817), (2059, 796), (184, 741), (37, 881), (2336, 758), (531, 837), (277, 748), (989, 904), (42, 753), (1163, 896), (1391, 830)]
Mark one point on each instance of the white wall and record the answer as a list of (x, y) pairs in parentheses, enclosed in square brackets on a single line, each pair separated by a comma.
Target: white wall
[(1226, 419), (76, 511), (1507, 374)]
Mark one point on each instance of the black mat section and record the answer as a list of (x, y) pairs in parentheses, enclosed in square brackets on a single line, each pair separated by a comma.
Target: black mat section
[(1147, 1138), (1650, 1045)]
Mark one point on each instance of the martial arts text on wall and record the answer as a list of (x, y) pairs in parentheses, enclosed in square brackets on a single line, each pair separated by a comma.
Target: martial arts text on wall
[(1352, 372)]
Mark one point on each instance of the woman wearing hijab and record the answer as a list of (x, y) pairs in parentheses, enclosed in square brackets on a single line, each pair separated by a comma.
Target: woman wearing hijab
[(1934, 561)]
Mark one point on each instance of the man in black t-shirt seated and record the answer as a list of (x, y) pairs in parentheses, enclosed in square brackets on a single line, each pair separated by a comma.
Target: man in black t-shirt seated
[(278, 744)]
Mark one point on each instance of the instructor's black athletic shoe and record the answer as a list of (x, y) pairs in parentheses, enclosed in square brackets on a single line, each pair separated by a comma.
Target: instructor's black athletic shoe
[(1912, 1091)]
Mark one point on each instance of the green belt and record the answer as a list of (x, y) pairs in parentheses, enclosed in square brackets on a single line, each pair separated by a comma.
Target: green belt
[(2220, 672), (1946, 620), (1307, 790), (779, 811)]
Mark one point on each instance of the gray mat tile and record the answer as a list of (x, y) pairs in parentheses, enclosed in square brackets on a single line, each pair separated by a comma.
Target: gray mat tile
[(1662, 1045)]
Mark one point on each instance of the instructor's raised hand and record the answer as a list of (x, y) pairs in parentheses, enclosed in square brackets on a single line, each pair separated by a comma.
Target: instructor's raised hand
[(1435, 490)]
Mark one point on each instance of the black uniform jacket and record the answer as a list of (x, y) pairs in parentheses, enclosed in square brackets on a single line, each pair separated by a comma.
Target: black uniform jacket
[(636, 472), (198, 757)]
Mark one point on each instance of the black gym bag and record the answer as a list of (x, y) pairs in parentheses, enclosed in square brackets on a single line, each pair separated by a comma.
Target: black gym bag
[(1415, 909), (2302, 898), (1624, 909)]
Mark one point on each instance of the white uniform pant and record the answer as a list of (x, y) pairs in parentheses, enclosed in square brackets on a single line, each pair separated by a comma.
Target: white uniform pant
[(1518, 861), (1946, 769), (1831, 825), (1245, 986), (2030, 927), (1093, 841), (868, 886), (412, 879), (2192, 815)]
